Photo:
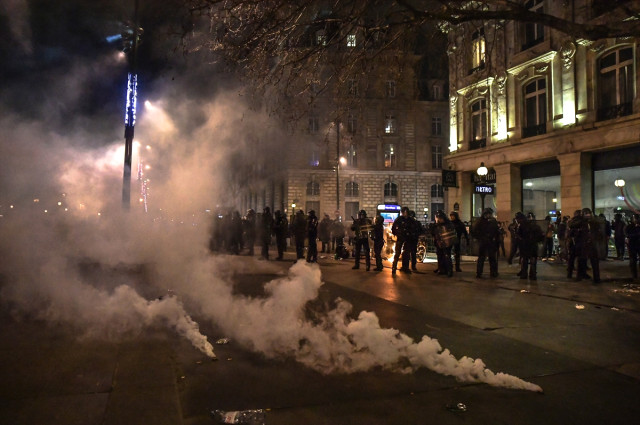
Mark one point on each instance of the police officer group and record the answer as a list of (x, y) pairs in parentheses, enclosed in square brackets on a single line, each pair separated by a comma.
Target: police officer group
[(580, 239)]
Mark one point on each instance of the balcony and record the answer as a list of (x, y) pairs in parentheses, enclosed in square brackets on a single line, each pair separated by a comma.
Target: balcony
[(615, 111), (534, 130), (477, 144)]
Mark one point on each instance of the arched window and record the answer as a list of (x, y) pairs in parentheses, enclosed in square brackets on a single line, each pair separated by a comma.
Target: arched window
[(535, 108), (437, 191), (352, 189), (615, 84), (390, 190), (313, 189)]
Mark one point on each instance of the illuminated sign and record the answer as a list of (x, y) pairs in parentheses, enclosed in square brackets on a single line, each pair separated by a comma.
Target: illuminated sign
[(132, 97), (485, 190), (389, 207)]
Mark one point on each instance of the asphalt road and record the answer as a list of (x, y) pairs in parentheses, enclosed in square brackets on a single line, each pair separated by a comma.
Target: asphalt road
[(580, 342)]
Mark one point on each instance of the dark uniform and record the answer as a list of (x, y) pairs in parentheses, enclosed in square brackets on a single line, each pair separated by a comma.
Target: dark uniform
[(249, 224), (299, 229), (361, 227), (590, 233), (530, 235), (281, 229), (312, 236), (378, 241), (461, 231), (266, 229), (632, 231), (401, 231), (444, 234), (485, 230), (572, 232), (324, 233)]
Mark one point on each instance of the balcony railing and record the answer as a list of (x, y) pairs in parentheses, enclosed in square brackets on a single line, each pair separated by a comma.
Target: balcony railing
[(616, 111), (477, 144), (534, 130)]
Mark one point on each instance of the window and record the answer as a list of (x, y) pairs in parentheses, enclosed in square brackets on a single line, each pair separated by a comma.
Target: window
[(314, 124), (615, 88), (351, 40), (389, 124), (353, 87), (477, 50), (352, 189), (478, 124), (436, 157), (321, 38), (391, 88), (312, 205), (535, 108), (314, 161), (437, 191), (352, 124), (437, 93), (390, 190), (351, 209), (533, 32), (352, 159), (389, 156), (436, 126), (313, 189)]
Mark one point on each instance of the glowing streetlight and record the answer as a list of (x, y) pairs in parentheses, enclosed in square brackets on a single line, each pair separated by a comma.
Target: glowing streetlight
[(482, 171), (619, 183)]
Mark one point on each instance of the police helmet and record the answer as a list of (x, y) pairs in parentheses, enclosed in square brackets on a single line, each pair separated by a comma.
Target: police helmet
[(487, 211), (454, 214), (362, 213), (520, 216), (586, 211), (531, 216), (441, 214)]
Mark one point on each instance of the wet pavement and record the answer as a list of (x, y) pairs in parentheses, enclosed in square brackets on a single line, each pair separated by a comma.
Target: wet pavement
[(579, 341)]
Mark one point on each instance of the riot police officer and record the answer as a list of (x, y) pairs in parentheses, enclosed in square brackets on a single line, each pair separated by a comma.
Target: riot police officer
[(401, 230), (361, 228), (486, 231)]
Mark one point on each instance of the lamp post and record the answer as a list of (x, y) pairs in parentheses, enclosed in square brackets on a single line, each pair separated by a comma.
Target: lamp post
[(130, 114), (341, 161), (482, 171)]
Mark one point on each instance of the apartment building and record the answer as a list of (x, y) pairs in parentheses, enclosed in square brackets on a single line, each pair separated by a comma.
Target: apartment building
[(554, 120)]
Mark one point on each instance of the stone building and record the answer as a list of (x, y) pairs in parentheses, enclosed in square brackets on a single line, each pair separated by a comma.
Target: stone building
[(377, 137), (555, 119)]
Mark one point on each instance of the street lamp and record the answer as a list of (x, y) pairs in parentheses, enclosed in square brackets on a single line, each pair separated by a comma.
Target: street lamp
[(482, 171), (341, 161)]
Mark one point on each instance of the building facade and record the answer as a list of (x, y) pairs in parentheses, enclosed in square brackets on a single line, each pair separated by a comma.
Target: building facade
[(378, 137), (555, 119)]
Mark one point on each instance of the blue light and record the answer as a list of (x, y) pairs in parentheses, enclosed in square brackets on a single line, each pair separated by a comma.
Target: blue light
[(132, 98), (112, 38)]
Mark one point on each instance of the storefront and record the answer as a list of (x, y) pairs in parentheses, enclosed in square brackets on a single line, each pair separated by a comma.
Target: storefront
[(616, 182), (541, 189)]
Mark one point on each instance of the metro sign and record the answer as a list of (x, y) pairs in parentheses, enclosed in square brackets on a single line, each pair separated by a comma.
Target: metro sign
[(484, 189)]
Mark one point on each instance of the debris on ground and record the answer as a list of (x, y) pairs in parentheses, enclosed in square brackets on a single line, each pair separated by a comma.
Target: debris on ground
[(243, 417)]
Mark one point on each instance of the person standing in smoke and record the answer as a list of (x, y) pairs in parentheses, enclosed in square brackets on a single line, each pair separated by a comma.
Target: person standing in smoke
[(632, 231), (299, 230), (324, 233), (235, 233), (361, 228), (266, 230), (378, 241), (485, 231), (312, 236), (249, 225), (572, 233), (444, 234), (461, 232), (530, 236), (415, 230), (618, 235), (337, 234), (548, 238), (281, 229), (590, 233), (400, 230)]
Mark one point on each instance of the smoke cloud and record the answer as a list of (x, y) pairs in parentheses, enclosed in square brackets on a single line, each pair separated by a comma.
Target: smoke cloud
[(72, 257)]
